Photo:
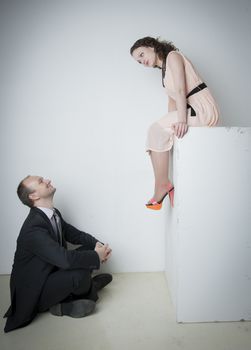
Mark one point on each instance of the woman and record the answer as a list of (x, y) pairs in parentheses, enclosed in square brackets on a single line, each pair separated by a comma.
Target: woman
[(190, 104)]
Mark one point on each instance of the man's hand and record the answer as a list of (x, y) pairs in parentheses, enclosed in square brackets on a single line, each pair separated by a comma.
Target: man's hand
[(104, 251), (180, 129)]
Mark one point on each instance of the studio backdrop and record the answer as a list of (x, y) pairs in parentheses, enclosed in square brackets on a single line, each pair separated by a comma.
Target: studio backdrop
[(75, 108)]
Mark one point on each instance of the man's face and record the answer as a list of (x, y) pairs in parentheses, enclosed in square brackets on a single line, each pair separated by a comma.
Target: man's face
[(41, 188)]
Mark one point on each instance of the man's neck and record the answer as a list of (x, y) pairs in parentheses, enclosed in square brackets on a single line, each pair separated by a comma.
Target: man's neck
[(44, 204)]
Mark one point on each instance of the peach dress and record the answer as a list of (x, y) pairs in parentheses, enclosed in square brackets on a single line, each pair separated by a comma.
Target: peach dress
[(160, 134)]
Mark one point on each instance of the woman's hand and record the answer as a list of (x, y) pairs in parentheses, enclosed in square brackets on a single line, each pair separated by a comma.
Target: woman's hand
[(180, 129)]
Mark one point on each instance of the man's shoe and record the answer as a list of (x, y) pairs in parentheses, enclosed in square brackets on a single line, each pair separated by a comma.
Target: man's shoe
[(100, 281), (76, 308)]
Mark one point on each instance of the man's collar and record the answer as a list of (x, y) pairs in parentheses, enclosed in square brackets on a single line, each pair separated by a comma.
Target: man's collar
[(48, 211)]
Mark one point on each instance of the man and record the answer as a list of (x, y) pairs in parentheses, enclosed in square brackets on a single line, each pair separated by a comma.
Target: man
[(45, 275)]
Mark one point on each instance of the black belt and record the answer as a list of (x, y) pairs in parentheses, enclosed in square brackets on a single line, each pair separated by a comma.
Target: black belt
[(194, 91)]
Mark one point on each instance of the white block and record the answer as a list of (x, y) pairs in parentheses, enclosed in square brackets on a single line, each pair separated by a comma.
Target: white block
[(208, 233)]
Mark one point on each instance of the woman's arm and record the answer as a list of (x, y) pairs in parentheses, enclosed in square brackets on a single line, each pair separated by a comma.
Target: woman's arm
[(176, 65), (171, 104)]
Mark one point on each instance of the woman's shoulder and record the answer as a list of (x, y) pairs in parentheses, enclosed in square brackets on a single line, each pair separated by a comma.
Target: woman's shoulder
[(174, 56)]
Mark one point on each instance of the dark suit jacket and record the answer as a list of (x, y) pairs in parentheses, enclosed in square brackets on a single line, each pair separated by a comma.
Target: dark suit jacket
[(37, 254)]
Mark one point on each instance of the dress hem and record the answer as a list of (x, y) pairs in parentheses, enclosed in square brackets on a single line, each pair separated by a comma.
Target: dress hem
[(159, 151)]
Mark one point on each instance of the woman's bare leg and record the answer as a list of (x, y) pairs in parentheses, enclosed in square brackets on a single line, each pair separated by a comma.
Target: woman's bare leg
[(160, 162)]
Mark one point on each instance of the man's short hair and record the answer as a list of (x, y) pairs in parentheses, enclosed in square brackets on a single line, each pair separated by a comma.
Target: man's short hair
[(23, 193)]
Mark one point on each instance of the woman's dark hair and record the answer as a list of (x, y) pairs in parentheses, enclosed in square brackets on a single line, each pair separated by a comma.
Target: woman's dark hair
[(161, 47)]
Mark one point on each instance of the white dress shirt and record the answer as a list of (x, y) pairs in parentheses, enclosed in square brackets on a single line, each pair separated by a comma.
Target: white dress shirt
[(49, 213)]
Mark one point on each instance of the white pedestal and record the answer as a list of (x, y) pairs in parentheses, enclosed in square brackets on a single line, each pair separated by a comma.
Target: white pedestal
[(208, 233)]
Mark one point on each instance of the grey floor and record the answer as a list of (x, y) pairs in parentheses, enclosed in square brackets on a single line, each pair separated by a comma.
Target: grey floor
[(133, 312)]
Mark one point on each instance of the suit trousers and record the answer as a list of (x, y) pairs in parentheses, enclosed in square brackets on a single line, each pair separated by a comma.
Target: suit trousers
[(63, 283)]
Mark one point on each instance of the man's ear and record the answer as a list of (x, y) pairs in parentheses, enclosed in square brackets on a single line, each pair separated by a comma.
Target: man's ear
[(33, 196)]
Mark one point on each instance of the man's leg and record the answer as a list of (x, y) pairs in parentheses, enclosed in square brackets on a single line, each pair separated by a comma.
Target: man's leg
[(61, 284), (99, 281)]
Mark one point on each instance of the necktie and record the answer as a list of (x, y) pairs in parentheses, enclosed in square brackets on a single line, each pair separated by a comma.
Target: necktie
[(57, 227)]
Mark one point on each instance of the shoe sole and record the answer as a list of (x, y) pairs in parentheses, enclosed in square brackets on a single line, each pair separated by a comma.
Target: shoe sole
[(107, 278), (76, 309)]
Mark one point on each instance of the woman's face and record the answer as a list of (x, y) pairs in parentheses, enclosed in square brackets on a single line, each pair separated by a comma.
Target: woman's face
[(145, 55)]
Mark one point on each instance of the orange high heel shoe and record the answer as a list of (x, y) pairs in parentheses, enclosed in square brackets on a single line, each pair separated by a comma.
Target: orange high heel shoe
[(158, 205)]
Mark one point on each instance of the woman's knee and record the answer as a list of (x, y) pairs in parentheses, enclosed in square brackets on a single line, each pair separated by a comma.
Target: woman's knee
[(159, 139), (154, 128)]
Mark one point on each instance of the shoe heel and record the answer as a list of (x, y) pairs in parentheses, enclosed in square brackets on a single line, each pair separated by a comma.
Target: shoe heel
[(56, 310), (171, 197)]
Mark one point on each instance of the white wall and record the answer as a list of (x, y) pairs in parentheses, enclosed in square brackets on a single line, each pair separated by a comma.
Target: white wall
[(75, 107)]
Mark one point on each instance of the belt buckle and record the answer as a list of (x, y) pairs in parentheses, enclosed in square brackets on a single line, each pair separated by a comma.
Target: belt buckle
[(199, 87)]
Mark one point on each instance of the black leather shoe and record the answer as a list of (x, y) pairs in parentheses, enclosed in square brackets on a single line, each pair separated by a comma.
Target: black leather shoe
[(100, 281), (76, 308)]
